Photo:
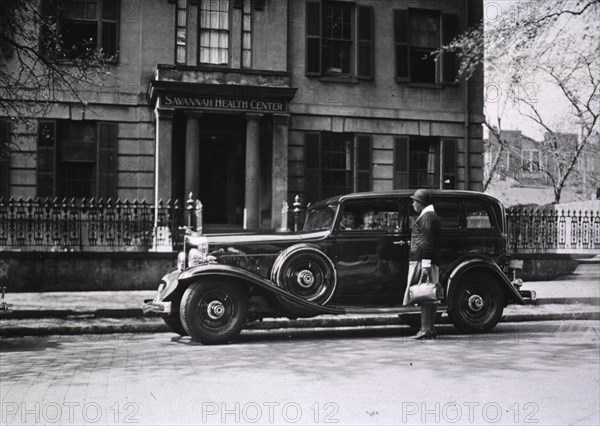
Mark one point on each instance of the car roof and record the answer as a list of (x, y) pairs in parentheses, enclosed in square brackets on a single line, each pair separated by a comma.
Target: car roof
[(406, 192)]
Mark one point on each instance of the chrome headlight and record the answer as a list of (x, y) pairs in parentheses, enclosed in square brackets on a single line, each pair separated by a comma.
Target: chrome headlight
[(181, 260), (199, 255)]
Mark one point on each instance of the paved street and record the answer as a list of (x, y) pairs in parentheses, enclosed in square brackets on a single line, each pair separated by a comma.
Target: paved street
[(540, 373)]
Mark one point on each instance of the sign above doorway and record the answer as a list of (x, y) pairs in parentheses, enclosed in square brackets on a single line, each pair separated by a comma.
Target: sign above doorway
[(222, 103)]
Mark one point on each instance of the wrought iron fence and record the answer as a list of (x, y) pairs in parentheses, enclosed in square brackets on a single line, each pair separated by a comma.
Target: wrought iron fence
[(69, 225), (539, 230), (90, 225)]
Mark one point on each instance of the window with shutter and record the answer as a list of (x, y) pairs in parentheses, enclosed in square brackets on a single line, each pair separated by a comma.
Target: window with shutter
[(449, 164), (46, 158), (425, 162), (313, 37), (418, 33), (450, 29), (76, 159), (339, 39), (401, 163), (82, 25), (336, 163), (107, 160), (401, 43), (365, 42), (4, 156)]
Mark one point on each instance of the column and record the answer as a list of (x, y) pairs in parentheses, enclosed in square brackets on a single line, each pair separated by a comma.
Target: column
[(279, 181), (163, 172), (252, 204), (192, 152), (163, 157)]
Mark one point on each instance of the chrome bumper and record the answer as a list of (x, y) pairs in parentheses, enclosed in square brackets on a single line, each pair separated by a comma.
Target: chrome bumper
[(528, 295), (152, 307), (156, 306)]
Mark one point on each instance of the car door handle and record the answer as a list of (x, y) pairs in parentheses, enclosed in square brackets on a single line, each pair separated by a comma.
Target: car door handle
[(401, 243)]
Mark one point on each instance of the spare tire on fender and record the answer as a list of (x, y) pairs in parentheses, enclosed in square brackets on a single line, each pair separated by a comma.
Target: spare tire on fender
[(305, 271)]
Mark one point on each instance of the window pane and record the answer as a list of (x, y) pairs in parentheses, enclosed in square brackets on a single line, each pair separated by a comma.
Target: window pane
[(109, 39), (422, 66), (477, 216), (448, 212), (109, 10)]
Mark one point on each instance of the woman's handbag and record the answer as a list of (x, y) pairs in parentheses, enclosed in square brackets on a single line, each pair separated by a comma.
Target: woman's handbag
[(425, 291)]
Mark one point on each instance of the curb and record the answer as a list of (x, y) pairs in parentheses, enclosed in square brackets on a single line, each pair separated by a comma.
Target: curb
[(25, 314), (156, 325)]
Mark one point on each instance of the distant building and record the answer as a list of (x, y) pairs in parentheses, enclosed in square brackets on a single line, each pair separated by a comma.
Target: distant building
[(247, 103), (525, 169)]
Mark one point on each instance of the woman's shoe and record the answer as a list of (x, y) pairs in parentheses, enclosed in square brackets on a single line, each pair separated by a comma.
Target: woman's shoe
[(425, 335)]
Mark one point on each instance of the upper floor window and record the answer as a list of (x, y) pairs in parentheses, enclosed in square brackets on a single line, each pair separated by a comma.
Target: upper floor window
[(339, 39), (417, 34), (336, 163), (84, 27), (214, 32)]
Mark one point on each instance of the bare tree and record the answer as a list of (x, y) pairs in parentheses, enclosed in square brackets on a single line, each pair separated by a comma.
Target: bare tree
[(551, 41), (37, 66)]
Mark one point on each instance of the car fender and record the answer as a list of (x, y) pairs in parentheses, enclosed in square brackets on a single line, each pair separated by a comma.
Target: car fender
[(307, 307), (489, 266)]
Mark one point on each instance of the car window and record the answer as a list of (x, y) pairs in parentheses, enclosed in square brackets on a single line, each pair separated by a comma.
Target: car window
[(477, 216), (320, 218), (371, 215), (449, 213)]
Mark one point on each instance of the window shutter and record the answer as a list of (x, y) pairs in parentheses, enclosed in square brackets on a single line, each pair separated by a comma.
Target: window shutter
[(450, 29), (365, 42), (46, 158), (401, 167), (313, 37), (4, 157), (401, 43), (449, 163), (312, 168), (364, 163), (106, 166)]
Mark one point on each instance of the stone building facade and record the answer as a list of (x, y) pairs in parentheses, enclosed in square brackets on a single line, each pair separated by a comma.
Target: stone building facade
[(247, 103)]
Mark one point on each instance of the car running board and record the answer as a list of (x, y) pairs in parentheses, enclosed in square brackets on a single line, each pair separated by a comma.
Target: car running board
[(393, 310)]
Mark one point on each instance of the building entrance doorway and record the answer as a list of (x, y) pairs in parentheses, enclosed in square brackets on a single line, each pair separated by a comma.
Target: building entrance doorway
[(222, 165)]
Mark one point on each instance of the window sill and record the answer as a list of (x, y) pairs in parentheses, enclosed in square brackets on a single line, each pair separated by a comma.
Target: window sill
[(438, 86), (338, 79)]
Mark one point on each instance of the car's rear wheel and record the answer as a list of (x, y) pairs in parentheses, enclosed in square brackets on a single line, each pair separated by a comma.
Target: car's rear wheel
[(213, 311), (175, 325), (477, 303)]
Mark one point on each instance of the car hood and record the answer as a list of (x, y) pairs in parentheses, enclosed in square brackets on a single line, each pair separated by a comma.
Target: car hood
[(257, 238)]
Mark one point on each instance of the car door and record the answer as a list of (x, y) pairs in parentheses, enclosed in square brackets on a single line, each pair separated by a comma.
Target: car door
[(371, 258), (449, 210)]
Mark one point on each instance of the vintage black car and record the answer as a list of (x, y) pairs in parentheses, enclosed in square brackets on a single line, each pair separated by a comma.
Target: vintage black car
[(350, 257)]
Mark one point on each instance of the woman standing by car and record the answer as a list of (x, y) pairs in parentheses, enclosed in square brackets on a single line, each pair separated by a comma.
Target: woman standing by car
[(425, 238)]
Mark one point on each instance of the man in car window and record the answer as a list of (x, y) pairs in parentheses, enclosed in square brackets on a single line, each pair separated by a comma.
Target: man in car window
[(425, 239)]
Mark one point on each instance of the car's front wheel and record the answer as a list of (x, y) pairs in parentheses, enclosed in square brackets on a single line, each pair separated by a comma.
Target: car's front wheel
[(213, 311), (476, 303)]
